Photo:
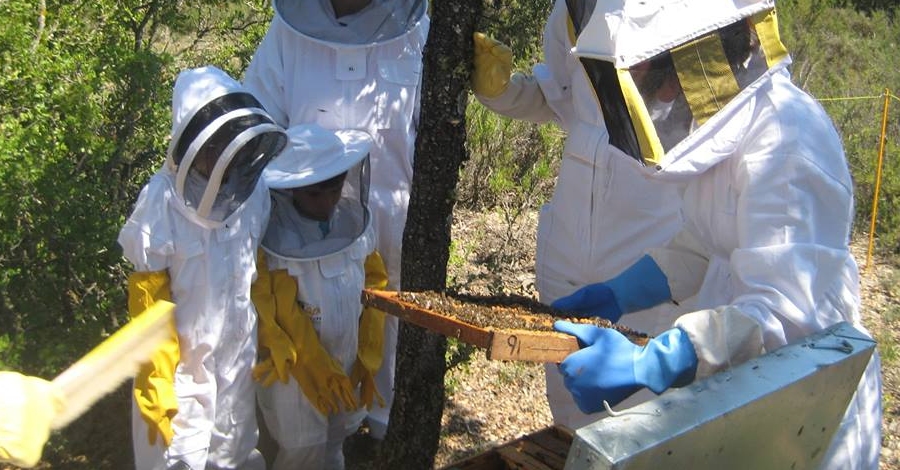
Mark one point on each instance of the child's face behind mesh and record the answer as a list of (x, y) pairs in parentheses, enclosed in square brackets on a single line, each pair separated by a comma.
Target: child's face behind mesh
[(205, 160), (318, 201)]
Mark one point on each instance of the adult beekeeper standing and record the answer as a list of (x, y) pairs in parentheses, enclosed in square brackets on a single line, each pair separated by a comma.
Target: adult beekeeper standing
[(704, 88), (347, 64), (604, 214)]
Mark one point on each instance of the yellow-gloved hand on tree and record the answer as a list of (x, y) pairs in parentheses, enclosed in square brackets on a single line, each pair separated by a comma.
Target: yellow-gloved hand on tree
[(492, 66), (320, 376), (154, 384), (370, 350), (27, 408), (277, 352)]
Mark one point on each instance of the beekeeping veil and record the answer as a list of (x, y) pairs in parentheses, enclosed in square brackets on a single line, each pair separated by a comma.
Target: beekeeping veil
[(221, 141), (661, 69), (315, 155), (379, 21)]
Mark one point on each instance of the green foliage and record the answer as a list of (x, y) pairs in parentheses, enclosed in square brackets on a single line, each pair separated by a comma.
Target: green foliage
[(511, 168), (520, 25), (458, 353), (74, 98), (85, 91), (457, 254), (84, 117), (848, 59), (456, 260), (514, 372), (223, 33), (512, 162)]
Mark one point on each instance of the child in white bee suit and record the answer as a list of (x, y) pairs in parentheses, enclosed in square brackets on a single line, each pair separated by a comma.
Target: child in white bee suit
[(354, 64), (320, 348), (192, 239)]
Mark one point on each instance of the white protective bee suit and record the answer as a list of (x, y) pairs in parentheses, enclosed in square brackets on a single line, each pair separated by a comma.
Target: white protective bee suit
[(328, 261), (768, 196), (362, 71), (604, 214), (204, 231)]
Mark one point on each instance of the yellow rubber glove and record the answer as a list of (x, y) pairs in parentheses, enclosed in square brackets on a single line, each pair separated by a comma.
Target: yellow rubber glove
[(369, 356), (493, 66), (154, 384), (370, 350), (27, 407), (276, 350), (320, 376)]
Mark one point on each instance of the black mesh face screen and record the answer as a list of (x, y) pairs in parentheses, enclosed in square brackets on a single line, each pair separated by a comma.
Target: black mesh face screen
[(225, 134), (737, 42), (660, 69), (247, 165), (580, 12), (605, 81), (209, 112)]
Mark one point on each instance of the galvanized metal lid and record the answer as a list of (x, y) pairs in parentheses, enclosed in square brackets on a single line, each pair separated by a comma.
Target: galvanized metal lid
[(779, 410)]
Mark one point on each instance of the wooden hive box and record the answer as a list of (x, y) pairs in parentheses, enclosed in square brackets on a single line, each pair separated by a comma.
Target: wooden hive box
[(511, 328), (545, 449)]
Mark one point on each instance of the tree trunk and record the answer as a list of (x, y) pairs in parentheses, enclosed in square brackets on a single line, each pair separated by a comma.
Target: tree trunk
[(414, 433)]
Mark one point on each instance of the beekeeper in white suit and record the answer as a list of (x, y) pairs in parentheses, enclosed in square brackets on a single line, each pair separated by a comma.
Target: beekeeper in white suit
[(354, 65), (604, 214), (704, 87), (320, 252), (192, 239)]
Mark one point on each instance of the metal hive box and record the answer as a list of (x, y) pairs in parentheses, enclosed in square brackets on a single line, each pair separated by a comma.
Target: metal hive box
[(779, 410)]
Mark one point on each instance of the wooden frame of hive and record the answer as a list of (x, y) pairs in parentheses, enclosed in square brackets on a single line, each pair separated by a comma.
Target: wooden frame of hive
[(499, 344)]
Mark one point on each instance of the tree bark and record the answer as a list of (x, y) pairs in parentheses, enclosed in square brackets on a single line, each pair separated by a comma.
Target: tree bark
[(414, 432)]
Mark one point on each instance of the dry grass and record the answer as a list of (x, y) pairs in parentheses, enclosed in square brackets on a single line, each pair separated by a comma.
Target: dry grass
[(881, 315)]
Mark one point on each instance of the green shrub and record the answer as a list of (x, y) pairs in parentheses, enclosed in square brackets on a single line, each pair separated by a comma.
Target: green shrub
[(84, 118), (847, 59), (512, 163)]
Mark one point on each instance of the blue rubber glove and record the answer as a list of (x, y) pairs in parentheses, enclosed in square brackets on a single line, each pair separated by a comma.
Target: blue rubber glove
[(610, 367), (642, 285)]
